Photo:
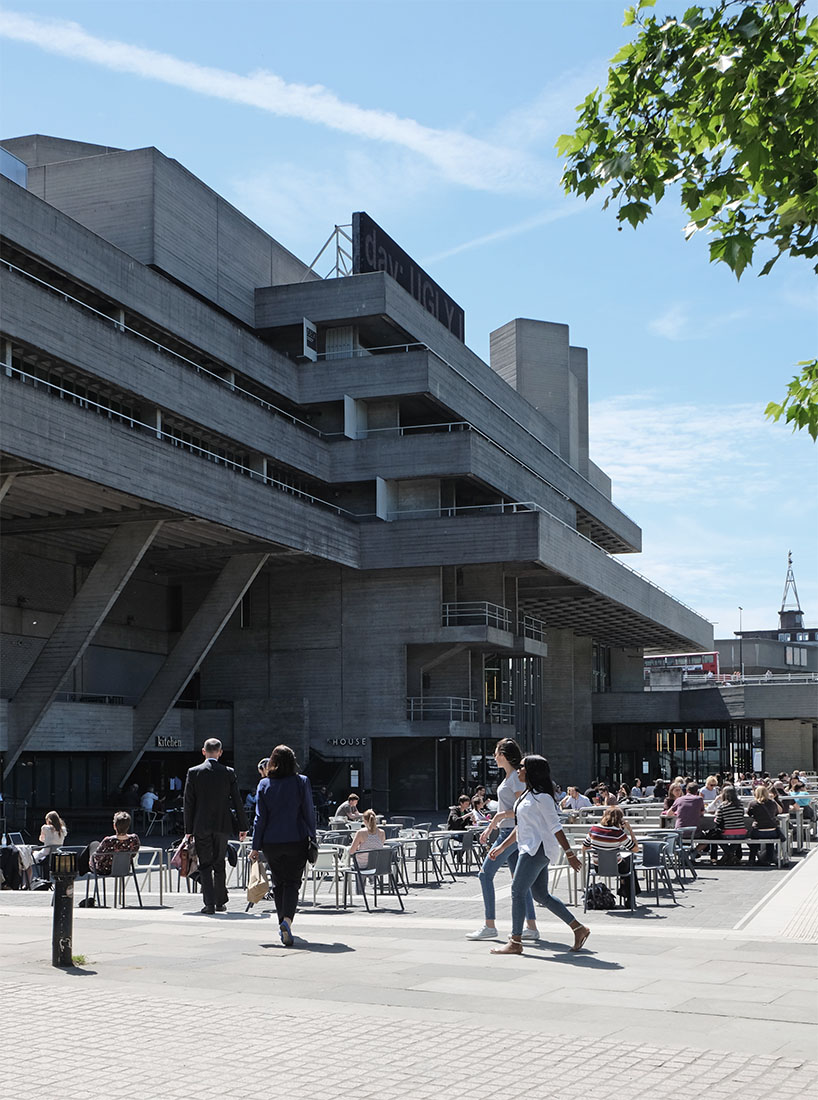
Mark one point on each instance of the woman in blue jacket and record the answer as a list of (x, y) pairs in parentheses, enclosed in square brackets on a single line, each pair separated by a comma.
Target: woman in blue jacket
[(285, 821)]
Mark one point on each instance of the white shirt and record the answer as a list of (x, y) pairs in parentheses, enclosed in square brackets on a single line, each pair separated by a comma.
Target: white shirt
[(571, 803), (148, 799), (637, 792), (537, 822)]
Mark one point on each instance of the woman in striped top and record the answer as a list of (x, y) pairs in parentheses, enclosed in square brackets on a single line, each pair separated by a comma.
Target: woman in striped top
[(613, 833), (730, 820)]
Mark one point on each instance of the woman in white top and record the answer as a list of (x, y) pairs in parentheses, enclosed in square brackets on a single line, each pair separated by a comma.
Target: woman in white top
[(52, 835), (369, 838), (539, 838), (710, 790), (507, 755)]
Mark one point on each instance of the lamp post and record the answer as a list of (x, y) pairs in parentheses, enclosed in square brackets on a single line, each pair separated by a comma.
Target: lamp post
[(740, 644)]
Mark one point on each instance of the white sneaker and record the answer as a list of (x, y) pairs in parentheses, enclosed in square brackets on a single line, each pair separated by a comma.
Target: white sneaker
[(484, 933), (531, 934)]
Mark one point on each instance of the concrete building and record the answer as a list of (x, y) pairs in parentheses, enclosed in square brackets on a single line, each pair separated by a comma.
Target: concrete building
[(240, 500), (760, 713)]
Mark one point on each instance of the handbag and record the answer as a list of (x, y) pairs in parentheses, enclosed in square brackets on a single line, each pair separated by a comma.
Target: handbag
[(312, 849), (258, 885), (184, 858)]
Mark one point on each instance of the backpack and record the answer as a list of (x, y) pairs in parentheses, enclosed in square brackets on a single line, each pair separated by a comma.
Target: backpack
[(599, 896)]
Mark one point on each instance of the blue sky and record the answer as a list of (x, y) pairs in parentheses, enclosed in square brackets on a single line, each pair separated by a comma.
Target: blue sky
[(439, 119)]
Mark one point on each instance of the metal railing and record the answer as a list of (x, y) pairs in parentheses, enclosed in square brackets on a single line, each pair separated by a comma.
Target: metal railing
[(474, 613), (442, 708), (438, 511), (86, 697), (500, 712), (177, 441), (531, 627)]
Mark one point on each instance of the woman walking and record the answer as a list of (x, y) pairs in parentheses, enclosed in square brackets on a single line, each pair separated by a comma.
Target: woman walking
[(507, 755), (285, 821), (539, 838)]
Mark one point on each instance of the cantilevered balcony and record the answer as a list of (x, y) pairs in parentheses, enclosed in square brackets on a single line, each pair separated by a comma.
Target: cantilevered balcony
[(485, 625)]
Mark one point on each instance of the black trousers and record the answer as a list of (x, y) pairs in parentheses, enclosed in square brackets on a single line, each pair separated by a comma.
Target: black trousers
[(286, 863), (211, 849)]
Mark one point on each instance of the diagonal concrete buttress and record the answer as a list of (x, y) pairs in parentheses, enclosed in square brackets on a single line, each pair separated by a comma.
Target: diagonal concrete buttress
[(75, 632), (190, 650)]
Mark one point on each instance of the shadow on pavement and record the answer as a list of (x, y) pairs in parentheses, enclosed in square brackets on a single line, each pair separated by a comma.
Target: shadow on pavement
[(317, 948)]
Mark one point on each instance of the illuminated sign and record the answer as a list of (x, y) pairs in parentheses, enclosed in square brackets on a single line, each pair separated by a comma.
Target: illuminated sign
[(374, 250)]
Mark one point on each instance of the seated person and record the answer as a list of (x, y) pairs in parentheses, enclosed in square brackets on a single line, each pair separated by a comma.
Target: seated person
[(614, 833), (52, 835), (149, 800), (763, 811), (710, 790), (367, 839), (574, 800), (729, 821), (688, 808), (478, 805), (604, 797), (461, 815), (349, 809), (798, 793), (636, 789), (624, 793), (121, 841)]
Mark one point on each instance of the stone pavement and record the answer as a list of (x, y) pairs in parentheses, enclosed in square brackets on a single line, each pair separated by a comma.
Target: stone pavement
[(718, 990)]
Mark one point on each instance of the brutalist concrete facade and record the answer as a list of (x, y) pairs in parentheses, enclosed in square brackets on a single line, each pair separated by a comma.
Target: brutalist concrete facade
[(388, 557)]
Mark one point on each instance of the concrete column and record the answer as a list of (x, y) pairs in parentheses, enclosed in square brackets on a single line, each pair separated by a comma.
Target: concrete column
[(75, 631), (568, 738), (190, 650)]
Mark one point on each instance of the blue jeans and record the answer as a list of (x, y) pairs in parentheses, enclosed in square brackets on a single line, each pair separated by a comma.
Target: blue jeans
[(489, 870), (531, 875)]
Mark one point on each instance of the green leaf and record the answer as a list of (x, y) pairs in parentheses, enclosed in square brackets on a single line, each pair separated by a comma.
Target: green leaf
[(634, 212)]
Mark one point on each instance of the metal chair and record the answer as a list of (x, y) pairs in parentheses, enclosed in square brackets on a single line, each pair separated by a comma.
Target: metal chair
[(422, 854), (653, 860), (606, 864), (122, 867), (377, 867), (328, 867)]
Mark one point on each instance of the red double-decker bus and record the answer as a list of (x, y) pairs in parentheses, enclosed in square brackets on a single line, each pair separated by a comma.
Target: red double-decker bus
[(699, 664)]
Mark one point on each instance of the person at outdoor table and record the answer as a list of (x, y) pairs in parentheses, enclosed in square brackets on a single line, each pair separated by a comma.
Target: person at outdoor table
[(636, 789), (479, 809), (799, 794), (539, 839), (574, 800), (121, 841), (604, 797), (613, 833), (763, 811), (710, 790), (349, 809), (369, 838), (52, 835), (729, 820), (659, 788), (461, 816), (285, 822), (624, 793), (149, 800), (687, 808), (507, 756)]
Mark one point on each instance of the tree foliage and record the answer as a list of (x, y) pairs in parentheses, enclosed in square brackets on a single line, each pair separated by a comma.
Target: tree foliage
[(722, 101)]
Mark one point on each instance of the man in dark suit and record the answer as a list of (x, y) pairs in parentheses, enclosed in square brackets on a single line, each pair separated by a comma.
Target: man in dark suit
[(210, 790)]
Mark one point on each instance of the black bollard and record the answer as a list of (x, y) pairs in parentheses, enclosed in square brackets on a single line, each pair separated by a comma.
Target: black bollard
[(63, 874)]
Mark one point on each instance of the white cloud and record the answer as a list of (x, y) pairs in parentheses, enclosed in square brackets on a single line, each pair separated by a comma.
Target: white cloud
[(555, 214), (458, 157), (721, 495), (677, 323)]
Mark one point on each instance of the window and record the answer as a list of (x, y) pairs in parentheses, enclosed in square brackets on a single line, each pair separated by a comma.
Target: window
[(802, 637), (783, 637)]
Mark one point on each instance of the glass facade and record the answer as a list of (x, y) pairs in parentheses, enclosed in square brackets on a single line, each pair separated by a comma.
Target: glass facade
[(624, 752)]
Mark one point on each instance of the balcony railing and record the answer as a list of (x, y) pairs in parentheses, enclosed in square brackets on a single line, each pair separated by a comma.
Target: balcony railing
[(475, 613), (500, 712), (90, 697), (531, 627), (442, 708)]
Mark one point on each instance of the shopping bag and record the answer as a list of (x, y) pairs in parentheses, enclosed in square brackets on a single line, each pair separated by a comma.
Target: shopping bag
[(258, 885)]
